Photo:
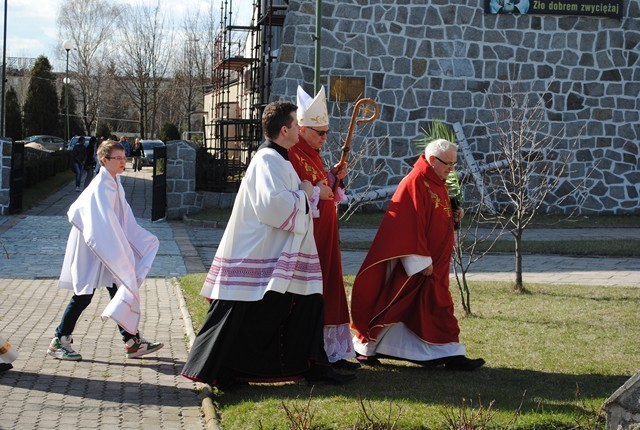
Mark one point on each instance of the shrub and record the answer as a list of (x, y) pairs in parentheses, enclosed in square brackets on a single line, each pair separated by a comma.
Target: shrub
[(103, 130), (169, 132), (38, 170)]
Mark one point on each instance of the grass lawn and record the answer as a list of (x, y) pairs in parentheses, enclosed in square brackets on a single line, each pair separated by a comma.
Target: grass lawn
[(554, 354), (372, 220), (579, 248)]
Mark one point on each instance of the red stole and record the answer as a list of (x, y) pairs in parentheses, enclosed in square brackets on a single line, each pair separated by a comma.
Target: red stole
[(418, 222), (309, 165)]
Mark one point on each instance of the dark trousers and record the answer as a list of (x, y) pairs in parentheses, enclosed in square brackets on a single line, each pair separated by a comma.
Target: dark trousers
[(74, 309), (88, 175), (77, 169)]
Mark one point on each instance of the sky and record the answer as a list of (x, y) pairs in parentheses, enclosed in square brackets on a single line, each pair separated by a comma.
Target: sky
[(32, 29)]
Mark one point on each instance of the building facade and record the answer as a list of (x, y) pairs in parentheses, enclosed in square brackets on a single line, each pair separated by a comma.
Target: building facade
[(446, 60)]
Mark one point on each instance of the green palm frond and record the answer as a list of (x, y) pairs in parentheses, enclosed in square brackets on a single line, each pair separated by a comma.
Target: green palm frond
[(440, 130)]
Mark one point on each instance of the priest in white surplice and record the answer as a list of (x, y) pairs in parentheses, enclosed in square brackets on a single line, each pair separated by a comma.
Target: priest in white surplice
[(106, 248), (265, 321)]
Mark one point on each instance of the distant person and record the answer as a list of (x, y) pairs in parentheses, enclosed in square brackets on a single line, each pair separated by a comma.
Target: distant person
[(265, 320), (106, 248), (306, 159), (78, 157), (401, 305), (137, 152), (99, 141), (125, 144), (90, 161)]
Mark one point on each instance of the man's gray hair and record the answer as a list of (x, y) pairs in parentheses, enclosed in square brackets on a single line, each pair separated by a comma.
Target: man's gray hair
[(438, 147)]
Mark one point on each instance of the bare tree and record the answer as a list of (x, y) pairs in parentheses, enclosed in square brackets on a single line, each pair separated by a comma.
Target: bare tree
[(467, 249), (468, 235), (192, 68), (89, 24), (536, 158), (362, 157), (145, 49), (115, 110)]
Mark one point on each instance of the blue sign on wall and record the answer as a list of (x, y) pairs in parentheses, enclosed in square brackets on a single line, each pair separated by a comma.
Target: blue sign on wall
[(604, 8)]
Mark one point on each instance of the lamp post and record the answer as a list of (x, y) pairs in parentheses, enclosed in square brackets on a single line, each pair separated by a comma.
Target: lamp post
[(318, 44), (68, 46), (3, 115)]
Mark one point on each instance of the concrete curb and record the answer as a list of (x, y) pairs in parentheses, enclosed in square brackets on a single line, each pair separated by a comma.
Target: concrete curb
[(211, 417)]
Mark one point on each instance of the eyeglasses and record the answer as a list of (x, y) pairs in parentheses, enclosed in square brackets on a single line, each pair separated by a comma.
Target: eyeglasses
[(117, 158), (452, 165), (320, 132)]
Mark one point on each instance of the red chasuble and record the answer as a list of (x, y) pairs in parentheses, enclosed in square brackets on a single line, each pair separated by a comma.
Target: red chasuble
[(418, 222), (308, 163)]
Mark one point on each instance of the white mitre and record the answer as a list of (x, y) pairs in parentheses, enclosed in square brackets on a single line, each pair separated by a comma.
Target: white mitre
[(312, 112)]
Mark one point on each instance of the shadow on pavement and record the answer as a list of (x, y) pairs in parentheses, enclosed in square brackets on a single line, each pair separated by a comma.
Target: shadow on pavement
[(122, 392)]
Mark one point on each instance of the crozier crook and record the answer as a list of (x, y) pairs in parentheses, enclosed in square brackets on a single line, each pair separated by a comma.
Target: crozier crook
[(364, 111)]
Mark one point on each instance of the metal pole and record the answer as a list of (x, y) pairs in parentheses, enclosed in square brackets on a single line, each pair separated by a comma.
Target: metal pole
[(316, 74), (66, 101), (4, 71)]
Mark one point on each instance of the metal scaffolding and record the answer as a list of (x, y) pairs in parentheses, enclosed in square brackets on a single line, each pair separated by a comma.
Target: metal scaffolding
[(243, 60)]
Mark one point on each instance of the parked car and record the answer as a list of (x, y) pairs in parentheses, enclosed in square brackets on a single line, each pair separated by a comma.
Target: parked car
[(51, 143), (148, 146)]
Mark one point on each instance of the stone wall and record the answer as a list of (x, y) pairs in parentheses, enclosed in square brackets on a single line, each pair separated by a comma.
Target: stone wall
[(623, 407), (443, 60), (182, 197), (35, 154)]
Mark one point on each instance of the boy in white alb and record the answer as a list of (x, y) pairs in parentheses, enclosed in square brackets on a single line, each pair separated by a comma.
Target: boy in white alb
[(106, 248)]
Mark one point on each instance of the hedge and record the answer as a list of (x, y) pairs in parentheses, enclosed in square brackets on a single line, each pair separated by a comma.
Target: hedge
[(38, 170)]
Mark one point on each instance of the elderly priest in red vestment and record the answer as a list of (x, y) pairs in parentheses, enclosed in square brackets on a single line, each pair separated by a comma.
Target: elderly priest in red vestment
[(401, 305)]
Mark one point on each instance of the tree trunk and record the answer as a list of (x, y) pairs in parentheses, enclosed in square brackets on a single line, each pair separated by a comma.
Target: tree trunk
[(467, 299), (463, 287), (518, 254)]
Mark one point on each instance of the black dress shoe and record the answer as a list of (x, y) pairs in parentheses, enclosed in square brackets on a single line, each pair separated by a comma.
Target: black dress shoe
[(229, 382), (430, 364), (344, 364), (460, 362), (328, 375), (5, 366)]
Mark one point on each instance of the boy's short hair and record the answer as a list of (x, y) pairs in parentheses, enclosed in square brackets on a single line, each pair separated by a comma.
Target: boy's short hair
[(107, 147)]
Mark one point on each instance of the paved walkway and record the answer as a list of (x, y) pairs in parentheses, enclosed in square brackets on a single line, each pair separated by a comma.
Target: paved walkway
[(105, 390)]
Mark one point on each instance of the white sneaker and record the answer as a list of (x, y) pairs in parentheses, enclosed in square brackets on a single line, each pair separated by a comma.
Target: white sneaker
[(138, 346), (61, 349)]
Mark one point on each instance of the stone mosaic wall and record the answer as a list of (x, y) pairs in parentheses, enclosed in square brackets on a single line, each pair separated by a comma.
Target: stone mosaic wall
[(441, 60), (182, 198), (623, 407)]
